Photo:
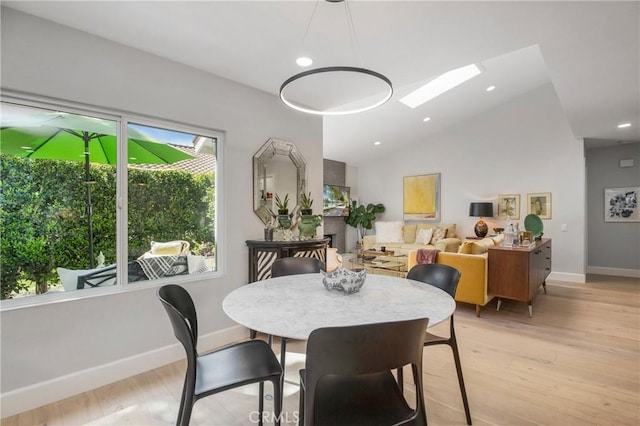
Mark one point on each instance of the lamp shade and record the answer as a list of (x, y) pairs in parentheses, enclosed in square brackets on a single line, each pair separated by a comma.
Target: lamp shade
[(481, 209)]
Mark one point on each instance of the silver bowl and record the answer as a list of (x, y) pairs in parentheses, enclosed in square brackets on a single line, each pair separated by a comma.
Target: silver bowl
[(344, 280)]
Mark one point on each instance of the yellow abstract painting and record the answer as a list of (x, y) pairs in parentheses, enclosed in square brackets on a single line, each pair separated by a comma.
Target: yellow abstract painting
[(421, 195)]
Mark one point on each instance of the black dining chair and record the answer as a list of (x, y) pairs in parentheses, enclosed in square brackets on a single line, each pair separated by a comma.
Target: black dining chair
[(293, 266), (296, 265), (220, 370), (445, 278), (348, 378)]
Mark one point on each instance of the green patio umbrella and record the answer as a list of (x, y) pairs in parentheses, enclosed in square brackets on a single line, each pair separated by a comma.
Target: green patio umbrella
[(44, 134)]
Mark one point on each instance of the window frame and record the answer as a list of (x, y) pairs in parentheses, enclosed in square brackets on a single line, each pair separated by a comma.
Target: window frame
[(123, 119)]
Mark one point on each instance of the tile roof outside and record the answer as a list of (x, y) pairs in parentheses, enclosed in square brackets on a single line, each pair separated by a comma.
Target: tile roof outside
[(203, 163)]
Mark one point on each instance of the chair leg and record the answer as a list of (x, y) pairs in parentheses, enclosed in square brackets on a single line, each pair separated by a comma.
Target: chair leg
[(277, 401), (301, 406), (400, 378), (186, 413), (180, 410), (186, 405), (283, 354), (260, 402), (456, 357)]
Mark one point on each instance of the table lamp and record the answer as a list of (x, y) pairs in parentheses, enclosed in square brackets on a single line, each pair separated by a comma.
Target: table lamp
[(481, 210)]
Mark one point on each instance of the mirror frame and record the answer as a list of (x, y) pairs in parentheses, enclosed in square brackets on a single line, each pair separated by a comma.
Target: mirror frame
[(261, 158)]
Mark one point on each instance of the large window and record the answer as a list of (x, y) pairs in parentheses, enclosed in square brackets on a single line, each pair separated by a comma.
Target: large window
[(65, 225)]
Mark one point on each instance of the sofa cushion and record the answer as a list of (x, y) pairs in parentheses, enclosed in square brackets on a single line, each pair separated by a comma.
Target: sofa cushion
[(424, 236), (389, 232), (409, 232)]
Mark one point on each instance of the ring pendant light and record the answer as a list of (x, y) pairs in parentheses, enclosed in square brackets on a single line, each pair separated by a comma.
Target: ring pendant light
[(383, 92)]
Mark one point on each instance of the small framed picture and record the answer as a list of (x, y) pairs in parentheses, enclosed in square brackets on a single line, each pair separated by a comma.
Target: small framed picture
[(509, 206), (621, 204), (539, 203)]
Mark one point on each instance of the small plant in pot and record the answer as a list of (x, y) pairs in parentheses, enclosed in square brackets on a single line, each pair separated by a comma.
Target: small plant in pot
[(282, 204), (305, 204)]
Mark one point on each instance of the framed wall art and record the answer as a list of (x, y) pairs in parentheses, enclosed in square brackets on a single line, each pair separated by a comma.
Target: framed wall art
[(421, 197), (539, 203), (621, 204), (509, 206)]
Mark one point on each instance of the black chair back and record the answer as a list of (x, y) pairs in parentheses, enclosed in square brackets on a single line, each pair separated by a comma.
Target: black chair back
[(444, 277), (362, 350), (296, 265), (182, 314)]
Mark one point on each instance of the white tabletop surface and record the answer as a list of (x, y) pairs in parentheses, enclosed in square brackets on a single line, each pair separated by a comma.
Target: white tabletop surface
[(295, 305)]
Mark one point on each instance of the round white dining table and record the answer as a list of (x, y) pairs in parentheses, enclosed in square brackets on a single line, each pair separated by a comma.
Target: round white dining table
[(293, 306)]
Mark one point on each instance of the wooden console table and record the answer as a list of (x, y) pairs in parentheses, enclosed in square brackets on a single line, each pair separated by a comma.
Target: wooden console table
[(518, 272), (263, 253)]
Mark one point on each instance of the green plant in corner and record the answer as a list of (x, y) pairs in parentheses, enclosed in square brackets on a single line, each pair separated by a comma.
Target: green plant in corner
[(305, 203), (362, 217), (282, 204)]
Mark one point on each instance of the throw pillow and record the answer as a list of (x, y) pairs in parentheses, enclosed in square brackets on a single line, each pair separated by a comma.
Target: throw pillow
[(169, 248), (472, 247), (438, 234), (424, 236), (196, 264), (409, 233), (498, 239), (451, 230), (389, 232)]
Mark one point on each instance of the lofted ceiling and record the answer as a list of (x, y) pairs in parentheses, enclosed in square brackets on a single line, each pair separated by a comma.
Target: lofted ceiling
[(589, 51)]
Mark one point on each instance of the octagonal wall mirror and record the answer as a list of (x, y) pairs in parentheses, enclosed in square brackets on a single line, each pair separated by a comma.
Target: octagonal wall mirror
[(278, 168)]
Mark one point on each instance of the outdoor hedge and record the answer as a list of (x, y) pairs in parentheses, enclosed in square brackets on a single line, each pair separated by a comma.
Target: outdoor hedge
[(43, 220)]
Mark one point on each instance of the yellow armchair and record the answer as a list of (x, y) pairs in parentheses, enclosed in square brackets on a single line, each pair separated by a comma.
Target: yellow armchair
[(473, 268)]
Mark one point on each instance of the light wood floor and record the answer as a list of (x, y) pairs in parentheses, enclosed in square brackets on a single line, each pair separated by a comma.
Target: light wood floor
[(576, 362)]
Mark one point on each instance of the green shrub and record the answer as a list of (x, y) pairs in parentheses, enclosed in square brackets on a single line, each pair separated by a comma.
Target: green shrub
[(43, 220)]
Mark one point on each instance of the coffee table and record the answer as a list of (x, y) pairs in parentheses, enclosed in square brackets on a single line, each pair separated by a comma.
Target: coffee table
[(391, 264)]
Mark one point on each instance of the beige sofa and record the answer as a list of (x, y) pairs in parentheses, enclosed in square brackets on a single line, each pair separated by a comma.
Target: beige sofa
[(407, 240), (472, 262)]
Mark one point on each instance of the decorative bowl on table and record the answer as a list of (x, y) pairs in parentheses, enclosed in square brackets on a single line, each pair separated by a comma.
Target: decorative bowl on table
[(344, 280)]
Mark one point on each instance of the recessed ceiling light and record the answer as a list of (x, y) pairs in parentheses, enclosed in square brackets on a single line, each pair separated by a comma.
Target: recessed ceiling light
[(624, 125), (377, 143), (490, 88), (439, 85), (426, 119), (303, 61)]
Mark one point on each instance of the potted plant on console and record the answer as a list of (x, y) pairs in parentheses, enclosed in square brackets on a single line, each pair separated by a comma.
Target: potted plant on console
[(305, 204), (308, 221), (362, 217), (282, 204)]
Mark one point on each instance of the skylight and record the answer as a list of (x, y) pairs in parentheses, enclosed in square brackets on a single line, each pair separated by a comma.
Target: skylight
[(439, 85)]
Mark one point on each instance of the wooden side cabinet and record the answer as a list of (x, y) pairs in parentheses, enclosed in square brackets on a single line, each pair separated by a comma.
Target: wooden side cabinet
[(517, 273), (262, 254)]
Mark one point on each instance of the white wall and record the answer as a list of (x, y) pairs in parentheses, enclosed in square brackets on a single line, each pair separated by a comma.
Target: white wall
[(47, 347), (523, 146), (613, 247)]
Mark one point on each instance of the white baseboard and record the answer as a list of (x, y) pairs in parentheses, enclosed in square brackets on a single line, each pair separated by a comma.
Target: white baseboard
[(616, 272), (33, 396), (563, 276)]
